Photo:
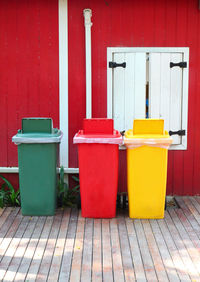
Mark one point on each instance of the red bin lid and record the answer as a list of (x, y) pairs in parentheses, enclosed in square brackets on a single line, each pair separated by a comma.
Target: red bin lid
[(98, 126), (98, 130)]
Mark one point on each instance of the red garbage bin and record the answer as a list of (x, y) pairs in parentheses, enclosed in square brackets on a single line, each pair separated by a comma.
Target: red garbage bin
[(98, 167)]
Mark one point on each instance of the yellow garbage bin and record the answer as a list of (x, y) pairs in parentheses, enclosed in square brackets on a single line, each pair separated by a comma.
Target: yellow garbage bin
[(147, 150)]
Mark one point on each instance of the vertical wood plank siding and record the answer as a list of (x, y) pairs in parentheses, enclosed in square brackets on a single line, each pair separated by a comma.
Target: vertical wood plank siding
[(136, 24), (29, 76)]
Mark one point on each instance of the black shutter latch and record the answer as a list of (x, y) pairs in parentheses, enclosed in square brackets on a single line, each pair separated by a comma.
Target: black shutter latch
[(179, 132), (181, 64), (113, 65)]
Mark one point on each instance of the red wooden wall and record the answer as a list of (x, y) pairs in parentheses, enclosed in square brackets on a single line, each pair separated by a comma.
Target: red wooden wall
[(29, 62), (141, 23)]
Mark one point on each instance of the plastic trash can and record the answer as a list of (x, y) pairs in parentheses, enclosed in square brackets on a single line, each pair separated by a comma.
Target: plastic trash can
[(37, 159), (98, 167), (147, 150)]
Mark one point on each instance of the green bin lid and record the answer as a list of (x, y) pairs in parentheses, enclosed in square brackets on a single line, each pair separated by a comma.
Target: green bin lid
[(37, 130), (37, 125)]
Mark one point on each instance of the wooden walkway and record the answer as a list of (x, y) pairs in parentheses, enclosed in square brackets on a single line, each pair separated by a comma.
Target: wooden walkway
[(67, 247)]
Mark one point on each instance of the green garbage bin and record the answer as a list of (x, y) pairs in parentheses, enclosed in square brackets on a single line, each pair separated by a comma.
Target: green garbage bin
[(38, 144)]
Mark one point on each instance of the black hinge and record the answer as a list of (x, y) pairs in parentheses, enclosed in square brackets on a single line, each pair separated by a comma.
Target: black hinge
[(181, 64), (113, 65), (179, 132)]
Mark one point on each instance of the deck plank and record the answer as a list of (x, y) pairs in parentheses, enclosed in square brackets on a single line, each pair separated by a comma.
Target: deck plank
[(97, 253), (146, 256), (135, 251), (7, 255), (8, 230), (57, 256), (125, 250), (68, 249), (195, 203), (191, 270), (116, 251), (1, 211), (106, 251), (192, 251), (37, 258), (86, 271), (188, 213), (188, 227), (154, 251), (177, 260), (192, 208), (197, 198), (78, 250), (29, 253), (50, 247), (164, 252), (20, 250), (5, 215)]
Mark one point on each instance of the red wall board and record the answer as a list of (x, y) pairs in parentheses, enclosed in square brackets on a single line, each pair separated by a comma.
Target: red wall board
[(136, 24), (29, 76), (29, 59)]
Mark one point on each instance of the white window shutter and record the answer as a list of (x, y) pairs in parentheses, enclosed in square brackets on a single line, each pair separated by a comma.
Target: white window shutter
[(129, 89), (165, 91), (119, 93), (176, 97)]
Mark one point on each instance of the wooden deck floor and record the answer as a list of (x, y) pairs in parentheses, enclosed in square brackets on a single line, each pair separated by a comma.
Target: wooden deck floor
[(67, 247)]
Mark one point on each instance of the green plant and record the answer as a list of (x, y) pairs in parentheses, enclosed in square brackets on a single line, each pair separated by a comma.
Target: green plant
[(67, 196), (8, 195)]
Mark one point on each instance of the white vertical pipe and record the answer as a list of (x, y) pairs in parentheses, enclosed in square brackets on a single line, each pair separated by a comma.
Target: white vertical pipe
[(63, 81), (87, 15)]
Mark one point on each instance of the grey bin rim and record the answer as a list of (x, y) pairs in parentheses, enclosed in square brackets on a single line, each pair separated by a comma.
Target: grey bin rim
[(40, 140)]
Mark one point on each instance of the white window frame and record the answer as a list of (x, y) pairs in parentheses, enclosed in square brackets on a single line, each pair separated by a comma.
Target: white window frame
[(184, 50)]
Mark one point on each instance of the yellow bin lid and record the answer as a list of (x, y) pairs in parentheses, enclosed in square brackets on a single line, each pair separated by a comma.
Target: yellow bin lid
[(148, 126), (148, 132)]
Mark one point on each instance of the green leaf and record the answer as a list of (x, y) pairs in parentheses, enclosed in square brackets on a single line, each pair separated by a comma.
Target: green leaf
[(76, 188), (75, 178), (62, 175), (1, 202), (69, 195), (8, 193), (7, 183)]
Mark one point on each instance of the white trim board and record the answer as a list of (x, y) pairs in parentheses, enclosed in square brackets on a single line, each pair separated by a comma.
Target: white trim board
[(185, 50), (63, 80), (147, 50), (16, 170)]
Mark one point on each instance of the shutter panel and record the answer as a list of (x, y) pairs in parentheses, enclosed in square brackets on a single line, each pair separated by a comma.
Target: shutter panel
[(129, 89), (165, 91), (175, 122), (154, 85), (118, 93)]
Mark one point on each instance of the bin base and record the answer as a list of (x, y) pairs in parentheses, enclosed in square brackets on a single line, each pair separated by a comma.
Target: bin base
[(38, 178), (134, 216), (98, 172), (147, 173)]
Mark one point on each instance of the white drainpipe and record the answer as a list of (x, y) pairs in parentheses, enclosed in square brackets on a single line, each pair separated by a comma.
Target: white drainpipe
[(87, 15)]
